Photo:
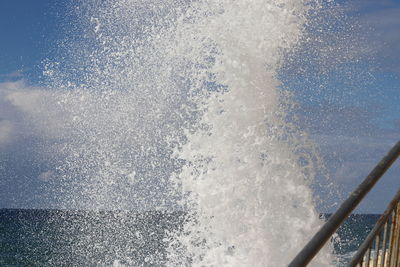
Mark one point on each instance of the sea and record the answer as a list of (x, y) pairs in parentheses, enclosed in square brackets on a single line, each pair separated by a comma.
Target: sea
[(80, 238)]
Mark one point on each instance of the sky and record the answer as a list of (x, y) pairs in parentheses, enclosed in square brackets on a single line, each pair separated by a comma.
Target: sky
[(29, 32), (347, 89)]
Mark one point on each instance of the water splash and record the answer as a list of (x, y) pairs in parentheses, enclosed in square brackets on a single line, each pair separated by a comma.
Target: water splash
[(246, 184), (177, 105)]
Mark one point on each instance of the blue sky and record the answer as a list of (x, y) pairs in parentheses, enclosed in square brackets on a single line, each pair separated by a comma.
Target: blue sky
[(29, 31), (348, 92)]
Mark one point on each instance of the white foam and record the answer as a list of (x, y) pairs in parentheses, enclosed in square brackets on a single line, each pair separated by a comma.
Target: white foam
[(246, 185), (177, 104)]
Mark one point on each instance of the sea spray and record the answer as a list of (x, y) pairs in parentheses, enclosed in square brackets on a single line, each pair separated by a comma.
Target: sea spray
[(121, 108), (176, 105), (245, 185)]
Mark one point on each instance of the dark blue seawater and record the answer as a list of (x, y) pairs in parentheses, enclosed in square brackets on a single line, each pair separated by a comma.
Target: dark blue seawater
[(82, 238), (351, 234)]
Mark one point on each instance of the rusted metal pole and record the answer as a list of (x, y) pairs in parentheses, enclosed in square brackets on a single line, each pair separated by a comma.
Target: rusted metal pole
[(329, 228), (383, 259), (377, 249)]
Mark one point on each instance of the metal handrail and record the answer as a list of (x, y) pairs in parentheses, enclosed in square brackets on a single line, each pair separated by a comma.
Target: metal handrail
[(334, 221), (385, 224)]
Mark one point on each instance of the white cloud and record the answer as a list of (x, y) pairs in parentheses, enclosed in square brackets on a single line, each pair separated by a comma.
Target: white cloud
[(6, 131), (25, 112), (13, 75), (12, 86), (34, 111), (23, 97), (25, 100)]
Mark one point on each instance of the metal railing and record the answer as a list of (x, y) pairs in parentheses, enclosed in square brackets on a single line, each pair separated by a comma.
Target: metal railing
[(334, 221), (382, 245)]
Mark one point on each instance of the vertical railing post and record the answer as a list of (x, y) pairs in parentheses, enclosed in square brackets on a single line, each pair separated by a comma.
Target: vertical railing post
[(384, 245)]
